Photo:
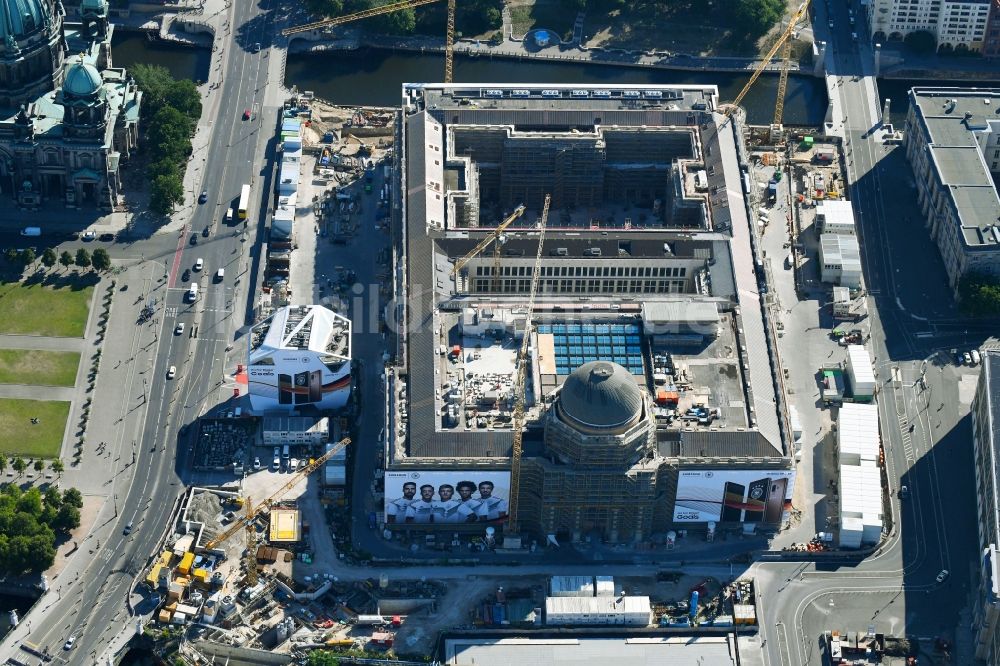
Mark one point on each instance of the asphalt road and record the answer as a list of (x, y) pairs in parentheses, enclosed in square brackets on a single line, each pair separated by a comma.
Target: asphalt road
[(91, 606), (912, 319)]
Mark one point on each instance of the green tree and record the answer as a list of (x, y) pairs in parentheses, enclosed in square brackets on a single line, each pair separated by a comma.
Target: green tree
[(49, 257), (183, 95), (57, 466), (325, 7), (322, 658), (52, 497), (155, 82), (39, 465), (66, 259), (169, 135), (979, 294), (82, 258), (757, 16), (19, 465), (27, 256), (10, 254), (72, 497), (101, 259), (921, 42), (165, 192), (67, 518)]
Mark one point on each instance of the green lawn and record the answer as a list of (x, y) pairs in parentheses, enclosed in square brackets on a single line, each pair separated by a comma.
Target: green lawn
[(42, 368), (37, 309), (19, 436)]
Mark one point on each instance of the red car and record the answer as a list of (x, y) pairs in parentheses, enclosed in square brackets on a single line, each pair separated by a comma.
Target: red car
[(246, 114)]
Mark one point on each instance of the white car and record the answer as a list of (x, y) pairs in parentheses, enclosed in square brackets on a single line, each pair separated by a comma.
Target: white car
[(89, 235), (976, 358), (199, 264), (68, 645), (179, 329), (256, 462), (293, 464), (276, 463), (943, 576), (171, 372)]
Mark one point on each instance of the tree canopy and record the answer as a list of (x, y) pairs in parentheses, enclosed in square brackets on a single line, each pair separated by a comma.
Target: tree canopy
[(979, 294), (29, 522)]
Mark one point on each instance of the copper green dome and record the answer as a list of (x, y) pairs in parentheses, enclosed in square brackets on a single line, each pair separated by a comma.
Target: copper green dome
[(20, 18), (82, 79)]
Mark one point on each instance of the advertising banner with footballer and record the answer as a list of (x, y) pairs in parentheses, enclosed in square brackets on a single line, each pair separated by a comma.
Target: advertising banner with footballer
[(441, 497)]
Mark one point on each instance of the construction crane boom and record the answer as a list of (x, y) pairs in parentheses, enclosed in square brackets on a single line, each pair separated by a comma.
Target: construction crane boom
[(493, 236), (356, 16), (449, 43), (785, 36), (252, 513), (520, 383), (779, 102)]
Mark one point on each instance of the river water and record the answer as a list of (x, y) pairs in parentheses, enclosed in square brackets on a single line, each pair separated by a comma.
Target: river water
[(373, 77)]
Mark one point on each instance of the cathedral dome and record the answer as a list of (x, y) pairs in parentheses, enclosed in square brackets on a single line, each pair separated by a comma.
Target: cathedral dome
[(601, 395), (20, 18), (82, 79)]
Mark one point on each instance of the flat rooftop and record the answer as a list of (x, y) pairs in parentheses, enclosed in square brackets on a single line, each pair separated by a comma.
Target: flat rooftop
[(955, 120), (302, 327), (631, 650), (594, 269)]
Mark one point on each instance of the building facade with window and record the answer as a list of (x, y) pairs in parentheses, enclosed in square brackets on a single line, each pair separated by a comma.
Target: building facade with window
[(68, 118), (957, 25), (952, 141)]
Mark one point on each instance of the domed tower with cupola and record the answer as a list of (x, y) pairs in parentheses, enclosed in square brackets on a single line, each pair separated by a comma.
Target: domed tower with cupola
[(67, 122), (596, 473), (31, 50)]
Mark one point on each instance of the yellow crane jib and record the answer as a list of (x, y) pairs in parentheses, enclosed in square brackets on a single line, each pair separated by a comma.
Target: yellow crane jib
[(254, 511), (356, 16), (490, 237)]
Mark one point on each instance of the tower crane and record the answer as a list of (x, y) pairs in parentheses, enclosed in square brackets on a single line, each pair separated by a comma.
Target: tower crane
[(494, 237), (449, 40), (783, 42), (521, 379), (253, 511)]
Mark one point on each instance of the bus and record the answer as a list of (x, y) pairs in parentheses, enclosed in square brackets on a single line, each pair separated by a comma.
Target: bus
[(244, 202)]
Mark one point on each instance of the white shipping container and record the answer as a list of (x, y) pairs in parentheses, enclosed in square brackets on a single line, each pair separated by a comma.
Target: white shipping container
[(569, 611), (604, 586), (571, 586), (860, 372)]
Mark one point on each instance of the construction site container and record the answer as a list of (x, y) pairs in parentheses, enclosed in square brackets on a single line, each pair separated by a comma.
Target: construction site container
[(382, 638), (631, 611), (201, 575), (175, 587), (604, 586), (571, 586), (153, 578), (370, 619), (859, 371), (744, 614), (185, 566), (164, 615), (188, 610), (179, 618), (667, 397), (796, 423)]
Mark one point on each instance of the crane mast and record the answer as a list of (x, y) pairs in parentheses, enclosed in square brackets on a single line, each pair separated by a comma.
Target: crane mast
[(782, 40), (492, 237), (520, 383)]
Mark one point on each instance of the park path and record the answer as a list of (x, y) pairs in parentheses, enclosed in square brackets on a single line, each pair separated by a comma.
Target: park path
[(35, 392), (41, 342)]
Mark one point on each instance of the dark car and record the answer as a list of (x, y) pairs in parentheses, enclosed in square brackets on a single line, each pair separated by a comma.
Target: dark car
[(186, 275), (194, 239), (372, 521), (203, 197), (205, 232), (107, 238), (246, 114)]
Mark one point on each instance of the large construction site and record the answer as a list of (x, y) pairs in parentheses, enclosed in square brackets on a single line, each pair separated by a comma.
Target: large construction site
[(584, 326)]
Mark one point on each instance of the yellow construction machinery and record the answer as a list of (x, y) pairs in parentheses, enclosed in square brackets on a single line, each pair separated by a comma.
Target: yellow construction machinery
[(449, 39), (520, 381), (495, 237), (252, 511), (783, 42)]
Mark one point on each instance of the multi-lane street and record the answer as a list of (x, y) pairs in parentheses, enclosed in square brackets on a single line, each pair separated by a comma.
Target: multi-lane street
[(88, 599)]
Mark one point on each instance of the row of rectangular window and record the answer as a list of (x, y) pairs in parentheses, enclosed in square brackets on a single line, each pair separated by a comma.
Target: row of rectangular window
[(587, 271)]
